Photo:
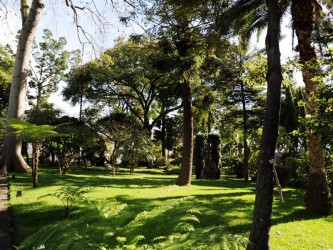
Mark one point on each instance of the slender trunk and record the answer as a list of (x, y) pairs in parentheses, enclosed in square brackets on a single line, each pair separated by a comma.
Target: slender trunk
[(259, 236), (164, 157), (81, 107), (35, 150), (318, 198), (246, 155), (209, 122), (185, 173), (11, 159)]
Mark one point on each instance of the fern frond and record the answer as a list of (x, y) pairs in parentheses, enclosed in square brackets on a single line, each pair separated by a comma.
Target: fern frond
[(159, 239), (184, 227), (193, 211), (190, 218)]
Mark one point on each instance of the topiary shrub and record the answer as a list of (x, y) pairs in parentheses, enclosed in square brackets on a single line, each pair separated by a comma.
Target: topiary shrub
[(215, 141), (206, 156), (199, 154)]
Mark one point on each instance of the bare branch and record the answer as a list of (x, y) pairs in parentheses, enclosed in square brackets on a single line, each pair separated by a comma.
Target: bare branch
[(4, 9)]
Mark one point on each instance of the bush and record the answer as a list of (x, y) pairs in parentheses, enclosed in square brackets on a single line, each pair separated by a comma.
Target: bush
[(206, 156), (284, 174), (299, 168), (199, 154), (253, 164)]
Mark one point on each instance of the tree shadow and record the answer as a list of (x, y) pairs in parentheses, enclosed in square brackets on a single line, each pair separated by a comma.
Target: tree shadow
[(228, 210)]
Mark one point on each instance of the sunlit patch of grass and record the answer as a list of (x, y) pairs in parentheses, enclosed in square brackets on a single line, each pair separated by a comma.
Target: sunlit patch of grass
[(303, 234), (148, 211)]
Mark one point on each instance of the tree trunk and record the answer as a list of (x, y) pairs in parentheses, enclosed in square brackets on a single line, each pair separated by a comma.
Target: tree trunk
[(11, 159), (259, 236), (245, 146), (35, 150), (164, 156), (185, 173), (318, 198)]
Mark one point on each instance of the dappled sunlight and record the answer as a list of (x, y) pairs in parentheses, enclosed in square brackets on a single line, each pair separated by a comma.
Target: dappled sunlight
[(147, 208)]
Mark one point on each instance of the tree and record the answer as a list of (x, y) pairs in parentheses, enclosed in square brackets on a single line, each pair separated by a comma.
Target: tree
[(48, 68), (259, 236), (126, 77), (181, 39), (6, 67), (11, 158), (117, 128), (242, 87), (36, 135), (77, 90), (318, 197)]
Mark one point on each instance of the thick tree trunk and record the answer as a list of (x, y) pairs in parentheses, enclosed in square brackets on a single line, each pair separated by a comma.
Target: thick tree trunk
[(318, 198), (185, 173), (260, 231), (11, 159)]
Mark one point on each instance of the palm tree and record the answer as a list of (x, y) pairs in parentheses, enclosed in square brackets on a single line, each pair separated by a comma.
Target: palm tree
[(304, 13), (259, 236), (255, 15), (318, 198)]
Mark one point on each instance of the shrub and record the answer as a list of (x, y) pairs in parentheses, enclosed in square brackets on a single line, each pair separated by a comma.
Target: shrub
[(253, 164), (206, 156), (299, 170), (199, 154), (284, 174)]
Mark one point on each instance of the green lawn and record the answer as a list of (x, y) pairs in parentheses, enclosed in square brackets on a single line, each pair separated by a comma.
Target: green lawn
[(147, 211)]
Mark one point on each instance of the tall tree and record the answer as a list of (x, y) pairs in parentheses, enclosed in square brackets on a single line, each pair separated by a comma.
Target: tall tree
[(76, 90), (318, 197), (181, 39), (242, 86), (260, 231), (48, 67), (125, 77), (6, 67), (11, 158)]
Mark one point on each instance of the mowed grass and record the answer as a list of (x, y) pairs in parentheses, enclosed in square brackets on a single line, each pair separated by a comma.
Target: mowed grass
[(147, 210)]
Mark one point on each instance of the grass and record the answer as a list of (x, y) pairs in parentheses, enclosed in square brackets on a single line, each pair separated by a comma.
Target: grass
[(147, 211)]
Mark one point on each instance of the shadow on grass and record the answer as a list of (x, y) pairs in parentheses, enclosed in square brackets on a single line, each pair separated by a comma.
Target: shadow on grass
[(229, 210), (153, 218), (226, 181), (292, 209), (49, 178), (28, 218)]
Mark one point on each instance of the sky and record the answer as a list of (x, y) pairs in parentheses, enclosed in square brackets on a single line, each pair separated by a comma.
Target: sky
[(59, 19)]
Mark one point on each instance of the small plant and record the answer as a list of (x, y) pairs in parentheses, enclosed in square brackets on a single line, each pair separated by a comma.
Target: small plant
[(69, 196)]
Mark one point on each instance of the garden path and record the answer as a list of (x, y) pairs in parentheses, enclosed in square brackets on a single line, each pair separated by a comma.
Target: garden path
[(5, 234)]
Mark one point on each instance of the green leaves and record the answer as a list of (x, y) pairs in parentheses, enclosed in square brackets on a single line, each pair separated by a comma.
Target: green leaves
[(49, 66), (32, 132), (69, 196)]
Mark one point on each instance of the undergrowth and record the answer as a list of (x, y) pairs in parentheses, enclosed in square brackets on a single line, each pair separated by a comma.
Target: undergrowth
[(114, 226)]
